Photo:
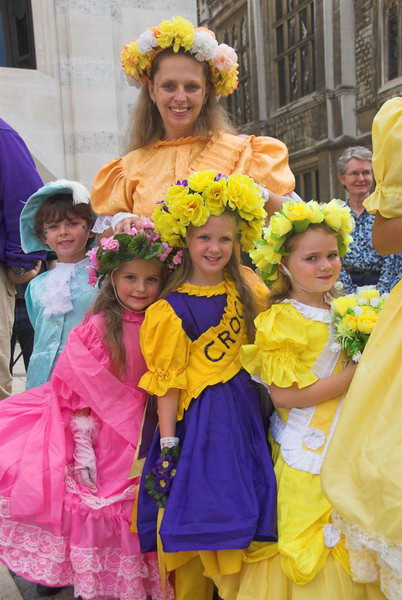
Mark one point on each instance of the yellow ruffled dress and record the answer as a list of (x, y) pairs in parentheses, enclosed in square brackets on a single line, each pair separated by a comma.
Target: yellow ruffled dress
[(138, 180), (368, 441), (310, 560)]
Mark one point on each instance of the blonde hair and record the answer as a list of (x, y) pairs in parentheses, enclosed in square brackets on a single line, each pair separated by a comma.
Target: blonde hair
[(282, 286), (146, 123), (233, 270)]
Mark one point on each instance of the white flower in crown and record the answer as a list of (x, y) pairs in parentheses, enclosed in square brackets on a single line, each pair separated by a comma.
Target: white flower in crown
[(358, 311), (225, 58), (147, 41), (204, 46), (374, 302)]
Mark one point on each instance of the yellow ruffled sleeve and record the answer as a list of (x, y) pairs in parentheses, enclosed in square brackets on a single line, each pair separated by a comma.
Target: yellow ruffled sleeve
[(266, 160), (166, 348), (112, 190), (277, 353)]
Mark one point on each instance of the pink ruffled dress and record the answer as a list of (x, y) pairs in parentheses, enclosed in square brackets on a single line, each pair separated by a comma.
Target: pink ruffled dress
[(51, 531)]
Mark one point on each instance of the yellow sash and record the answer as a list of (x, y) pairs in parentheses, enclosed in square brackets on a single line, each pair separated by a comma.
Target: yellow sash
[(214, 356)]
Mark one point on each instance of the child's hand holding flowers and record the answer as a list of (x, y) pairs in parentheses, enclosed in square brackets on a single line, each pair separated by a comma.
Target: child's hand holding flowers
[(354, 318)]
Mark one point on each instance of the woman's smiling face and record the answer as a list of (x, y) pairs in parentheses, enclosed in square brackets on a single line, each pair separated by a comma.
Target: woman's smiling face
[(179, 91)]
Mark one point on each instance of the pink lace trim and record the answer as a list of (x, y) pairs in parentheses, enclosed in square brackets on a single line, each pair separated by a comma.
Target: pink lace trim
[(96, 502), (45, 558)]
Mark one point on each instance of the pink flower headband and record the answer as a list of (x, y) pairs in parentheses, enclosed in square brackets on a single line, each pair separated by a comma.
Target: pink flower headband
[(141, 242)]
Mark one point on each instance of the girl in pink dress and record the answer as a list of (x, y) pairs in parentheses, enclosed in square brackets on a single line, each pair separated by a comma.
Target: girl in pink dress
[(66, 447)]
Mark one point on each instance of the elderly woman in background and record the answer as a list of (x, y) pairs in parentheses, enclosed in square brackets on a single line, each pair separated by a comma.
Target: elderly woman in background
[(362, 265)]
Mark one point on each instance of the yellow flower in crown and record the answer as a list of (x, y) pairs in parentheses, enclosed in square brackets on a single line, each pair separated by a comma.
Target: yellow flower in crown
[(200, 180), (215, 196), (134, 63), (244, 196), (344, 303), (279, 225), (206, 194), (367, 319), (177, 32), (249, 232), (295, 211), (333, 214)]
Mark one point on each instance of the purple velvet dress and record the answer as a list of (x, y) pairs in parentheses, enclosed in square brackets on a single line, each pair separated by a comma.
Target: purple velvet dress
[(224, 493)]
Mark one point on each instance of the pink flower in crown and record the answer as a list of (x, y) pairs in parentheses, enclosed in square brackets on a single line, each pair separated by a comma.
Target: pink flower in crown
[(93, 259), (110, 244), (92, 276), (133, 231), (166, 251), (178, 258), (225, 58)]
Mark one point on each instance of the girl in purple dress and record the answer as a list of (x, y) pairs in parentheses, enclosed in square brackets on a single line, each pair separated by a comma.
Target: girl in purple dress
[(220, 493), (66, 447)]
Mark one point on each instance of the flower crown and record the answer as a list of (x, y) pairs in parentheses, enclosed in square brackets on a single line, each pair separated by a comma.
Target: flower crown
[(137, 56), (295, 217), (208, 193), (141, 242)]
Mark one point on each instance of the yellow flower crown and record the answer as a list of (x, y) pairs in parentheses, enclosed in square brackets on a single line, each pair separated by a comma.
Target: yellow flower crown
[(295, 217), (137, 56), (205, 193)]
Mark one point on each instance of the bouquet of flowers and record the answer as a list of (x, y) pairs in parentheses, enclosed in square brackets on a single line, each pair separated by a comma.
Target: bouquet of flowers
[(354, 318), (158, 481)]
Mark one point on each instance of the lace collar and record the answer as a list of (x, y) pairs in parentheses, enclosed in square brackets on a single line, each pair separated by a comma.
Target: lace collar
[(323, 315)]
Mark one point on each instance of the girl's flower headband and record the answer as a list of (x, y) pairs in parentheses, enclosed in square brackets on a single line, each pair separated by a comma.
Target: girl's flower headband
[(142, 242), (137, 56), (207, 193), (295, 217)]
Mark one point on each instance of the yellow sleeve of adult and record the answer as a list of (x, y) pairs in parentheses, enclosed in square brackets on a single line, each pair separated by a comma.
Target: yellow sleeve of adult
[(166, 348), (266, 160), (275, 355), (112, 191)]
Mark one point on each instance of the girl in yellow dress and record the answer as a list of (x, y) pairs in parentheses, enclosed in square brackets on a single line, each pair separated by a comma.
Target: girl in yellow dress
[(368, 441), (293, 354), (223, 493)]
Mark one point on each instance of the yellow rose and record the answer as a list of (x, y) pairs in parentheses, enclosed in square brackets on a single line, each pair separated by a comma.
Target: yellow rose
[(215, 197), (295, 211), (171, 230), (342, 304), (250, 231), (333, 214), (347, 221), (279, 225), (190, 209), (350, 322), (176, 194), (367, 320), (314, 212), (200, 180), (259, 258)]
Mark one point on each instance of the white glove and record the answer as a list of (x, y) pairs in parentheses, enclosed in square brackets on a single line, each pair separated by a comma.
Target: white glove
[(84, 429)]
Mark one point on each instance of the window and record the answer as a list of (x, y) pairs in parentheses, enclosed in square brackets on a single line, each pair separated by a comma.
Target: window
[(308, 185), (235, 33), (294, 38), (16, 35), (393, 38)]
